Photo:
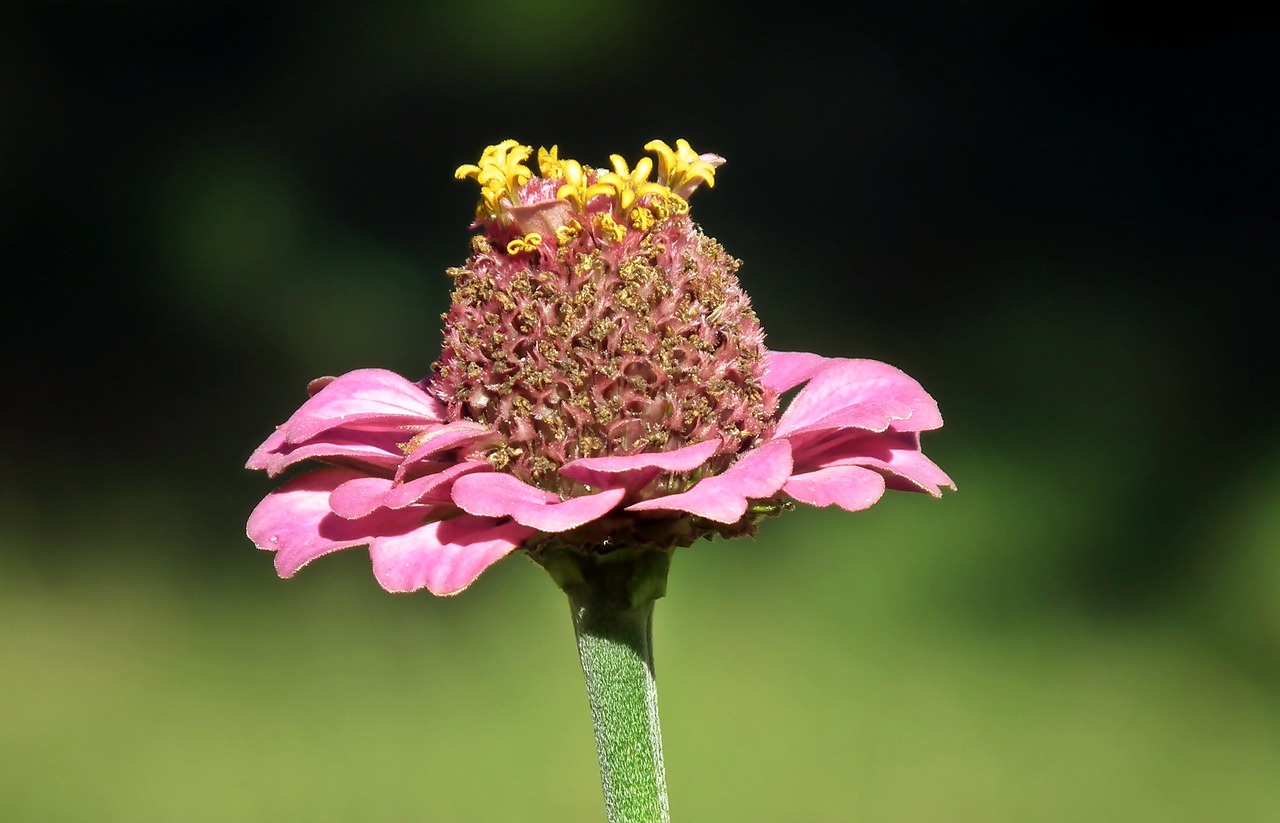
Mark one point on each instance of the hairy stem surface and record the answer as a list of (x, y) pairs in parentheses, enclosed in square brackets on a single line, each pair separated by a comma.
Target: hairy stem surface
[(611, 600)]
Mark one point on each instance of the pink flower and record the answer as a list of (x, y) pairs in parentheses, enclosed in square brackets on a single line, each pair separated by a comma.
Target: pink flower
[(604, 384)]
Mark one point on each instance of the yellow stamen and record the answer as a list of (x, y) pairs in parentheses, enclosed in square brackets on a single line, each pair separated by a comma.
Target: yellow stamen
[(624, 184), (528, 243), (679, 167), (574, 188), (638, 201), (642, 218), (610, 228), (500, 173), (549, 163), (568, 232)]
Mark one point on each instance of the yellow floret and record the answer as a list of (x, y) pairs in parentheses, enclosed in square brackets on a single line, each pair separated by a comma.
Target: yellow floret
[(609, 227), (528, 243), (682, 165), (574, 188), (500, 173), (550, 164), (638, 202), (568, 232)]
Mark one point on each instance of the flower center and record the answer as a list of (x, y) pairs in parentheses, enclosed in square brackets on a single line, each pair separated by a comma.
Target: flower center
[(594, 318)]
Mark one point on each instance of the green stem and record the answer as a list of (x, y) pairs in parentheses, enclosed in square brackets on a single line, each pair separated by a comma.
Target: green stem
[(611, 599)]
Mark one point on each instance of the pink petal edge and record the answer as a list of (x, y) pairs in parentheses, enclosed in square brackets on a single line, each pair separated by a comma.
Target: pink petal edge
[(784, 370), (443, 557), (844, 384), (443, 438), (501, 495), (374, 448), (295, 521), (363, 395), (359, 497), (604, 472), (896, 455), (871, 415), (852, 488), (757, 475), (433, 488)]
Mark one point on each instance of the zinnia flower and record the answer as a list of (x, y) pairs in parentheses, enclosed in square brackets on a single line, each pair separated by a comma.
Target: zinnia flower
[(604, 384)]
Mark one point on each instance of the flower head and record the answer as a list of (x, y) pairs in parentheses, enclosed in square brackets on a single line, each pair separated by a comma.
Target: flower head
[(603, 384)]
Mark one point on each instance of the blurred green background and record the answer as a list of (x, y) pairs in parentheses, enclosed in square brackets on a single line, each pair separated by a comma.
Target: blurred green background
[(1060, 217)]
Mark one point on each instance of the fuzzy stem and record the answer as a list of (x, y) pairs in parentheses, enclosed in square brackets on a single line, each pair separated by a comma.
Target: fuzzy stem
[(611, 599)]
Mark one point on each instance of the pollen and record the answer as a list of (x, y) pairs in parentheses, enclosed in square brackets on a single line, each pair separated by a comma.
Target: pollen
[(610, 228), (568, 232)]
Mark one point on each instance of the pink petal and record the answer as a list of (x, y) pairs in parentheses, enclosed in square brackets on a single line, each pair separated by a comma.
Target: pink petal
[(908, 470), (379, 449), (543, 217), (784, 370), (444, 557), (870, 415), (364, 396), (434, 487), (852, 488), (436, 440), (757, 475), (815, 450), (501, 495), (264, 455), (608, 472), (894, 454), (295, 522), (359, 497), (845, 384), (314, 387)]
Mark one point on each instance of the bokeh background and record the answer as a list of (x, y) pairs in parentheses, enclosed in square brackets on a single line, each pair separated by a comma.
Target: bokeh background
[(1060, 217)]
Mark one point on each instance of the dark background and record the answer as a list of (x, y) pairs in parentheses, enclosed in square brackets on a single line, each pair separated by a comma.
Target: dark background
[(1060, 217)]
